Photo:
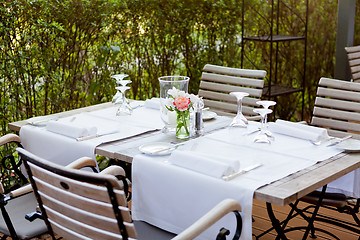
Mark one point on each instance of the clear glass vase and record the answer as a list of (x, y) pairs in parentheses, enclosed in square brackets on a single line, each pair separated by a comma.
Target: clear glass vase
[(183, 124), (168, 82)]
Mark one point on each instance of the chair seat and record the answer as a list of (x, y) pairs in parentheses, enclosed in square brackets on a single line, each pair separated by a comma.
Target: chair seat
[(337, 200), (17, 209), (147, 231)]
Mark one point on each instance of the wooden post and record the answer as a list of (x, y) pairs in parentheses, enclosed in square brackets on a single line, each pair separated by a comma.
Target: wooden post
[(344, 37)]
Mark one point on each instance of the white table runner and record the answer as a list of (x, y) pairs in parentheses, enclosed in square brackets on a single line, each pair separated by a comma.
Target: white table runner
[(172, 197), (64, 150)]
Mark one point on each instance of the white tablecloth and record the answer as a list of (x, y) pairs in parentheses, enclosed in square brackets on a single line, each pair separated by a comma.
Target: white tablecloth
[(172, 197), (64, 150)]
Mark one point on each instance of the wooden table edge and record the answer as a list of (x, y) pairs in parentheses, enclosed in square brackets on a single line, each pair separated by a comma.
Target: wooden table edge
[(302, 182)]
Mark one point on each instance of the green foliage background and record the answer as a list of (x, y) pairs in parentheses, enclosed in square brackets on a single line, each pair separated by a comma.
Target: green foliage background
[(57, 55)]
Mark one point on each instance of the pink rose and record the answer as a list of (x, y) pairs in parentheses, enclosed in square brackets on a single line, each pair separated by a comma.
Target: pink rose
[(182, 103)]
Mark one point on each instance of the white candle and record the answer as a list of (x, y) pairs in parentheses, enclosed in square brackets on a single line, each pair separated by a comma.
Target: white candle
[(172, 118)]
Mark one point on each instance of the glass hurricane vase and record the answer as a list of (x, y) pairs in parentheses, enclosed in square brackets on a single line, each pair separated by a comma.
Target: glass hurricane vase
[(166, 83)]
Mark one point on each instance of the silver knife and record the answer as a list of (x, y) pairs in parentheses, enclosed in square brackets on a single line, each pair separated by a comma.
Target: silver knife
[(242, 171), (339, 140), (79, 139)]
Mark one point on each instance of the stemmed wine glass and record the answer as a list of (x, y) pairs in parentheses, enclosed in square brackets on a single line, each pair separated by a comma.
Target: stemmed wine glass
[(124, 83), (266, 104), (118, 97), (239, 120), (125, 108), (262, 137)]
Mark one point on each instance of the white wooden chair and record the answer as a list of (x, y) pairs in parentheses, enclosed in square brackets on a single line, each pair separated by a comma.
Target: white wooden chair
[(337, 107), (217, 82), (82, 205), (353, 54)]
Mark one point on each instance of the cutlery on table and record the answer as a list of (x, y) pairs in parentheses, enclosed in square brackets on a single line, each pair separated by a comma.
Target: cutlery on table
[(242, 171), (339, 140), (79, 139), (166, 148)]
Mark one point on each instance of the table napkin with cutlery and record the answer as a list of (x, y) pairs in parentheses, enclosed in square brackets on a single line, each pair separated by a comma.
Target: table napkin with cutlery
[(299, 130), (214, 166), (70, 129)]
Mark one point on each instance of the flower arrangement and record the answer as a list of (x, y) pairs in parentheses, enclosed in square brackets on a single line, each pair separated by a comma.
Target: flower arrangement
[(181, 102)]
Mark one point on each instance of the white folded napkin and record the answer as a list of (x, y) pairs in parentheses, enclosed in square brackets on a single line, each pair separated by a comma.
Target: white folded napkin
[(203, 163), (152, 103), (299, 130), (70, 129)]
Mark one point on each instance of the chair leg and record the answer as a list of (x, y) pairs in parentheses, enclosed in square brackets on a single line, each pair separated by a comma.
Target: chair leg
[(8, 223)]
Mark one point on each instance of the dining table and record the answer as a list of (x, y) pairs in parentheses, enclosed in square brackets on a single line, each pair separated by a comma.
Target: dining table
[(170, 193)]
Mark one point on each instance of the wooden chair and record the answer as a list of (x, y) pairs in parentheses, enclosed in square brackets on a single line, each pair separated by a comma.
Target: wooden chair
[(18, 204), (353, 54), (82, 205), (16, 201), (337, 107), (217, 82)]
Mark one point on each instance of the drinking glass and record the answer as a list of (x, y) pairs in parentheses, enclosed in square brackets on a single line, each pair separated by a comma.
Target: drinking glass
[(239, 120), (166, 83), (124, 83), (118, 97), (262, 137), (266, 104), (125, 108)]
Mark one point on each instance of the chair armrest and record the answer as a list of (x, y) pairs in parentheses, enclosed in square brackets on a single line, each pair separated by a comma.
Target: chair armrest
[(9, 138), (82, 163), (113, 170), (119, 173), (21, 191), (220, 210)]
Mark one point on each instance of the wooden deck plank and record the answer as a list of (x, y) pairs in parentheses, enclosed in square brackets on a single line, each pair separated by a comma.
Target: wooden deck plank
[(262, 223)]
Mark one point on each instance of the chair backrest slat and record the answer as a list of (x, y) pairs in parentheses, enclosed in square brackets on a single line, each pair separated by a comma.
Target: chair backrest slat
[(235, 71), (236, 80), (71, 225), (229, 88), (353, 54), (218, 81), (76, 203), (337, 104), (337, 107), (91, 191), (337, 114), (79, 204)]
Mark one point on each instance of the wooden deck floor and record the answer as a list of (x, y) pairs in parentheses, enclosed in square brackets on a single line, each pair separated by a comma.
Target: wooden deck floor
[(262, 223)]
